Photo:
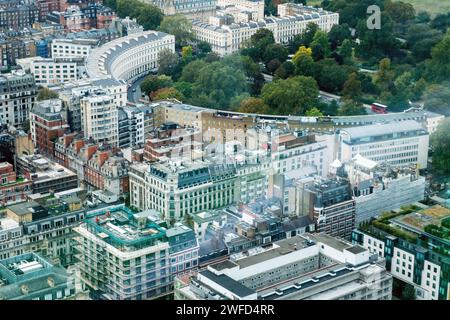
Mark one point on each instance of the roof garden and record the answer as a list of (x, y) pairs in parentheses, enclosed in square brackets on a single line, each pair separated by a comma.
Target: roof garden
[(123, 229), (413, 225)]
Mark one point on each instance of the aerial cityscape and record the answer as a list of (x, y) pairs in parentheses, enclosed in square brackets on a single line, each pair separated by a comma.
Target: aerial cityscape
[(224, 150)]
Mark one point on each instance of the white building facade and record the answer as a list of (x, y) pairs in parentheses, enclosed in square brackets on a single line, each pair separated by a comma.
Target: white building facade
[(128, 57), (99, 118), (395, 143)]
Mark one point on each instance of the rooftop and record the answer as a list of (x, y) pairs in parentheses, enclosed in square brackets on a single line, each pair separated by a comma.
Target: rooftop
[(383, 129), (121, 228)]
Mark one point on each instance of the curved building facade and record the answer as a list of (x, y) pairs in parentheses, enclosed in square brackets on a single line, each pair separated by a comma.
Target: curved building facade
[(128, 57)]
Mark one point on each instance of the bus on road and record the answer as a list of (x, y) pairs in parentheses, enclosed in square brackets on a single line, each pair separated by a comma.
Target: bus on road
[(379, 108)]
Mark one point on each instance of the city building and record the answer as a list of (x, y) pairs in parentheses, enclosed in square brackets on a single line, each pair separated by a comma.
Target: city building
[(296, 151), (18, 16), (13, 189), (128, 256), (107, 170), (128, 57), (54, 70), (415, 244), (329, 203), (127, 26), (72, 48), (45, 174), (130, 126), (174, 142), (308, 267), (191, 9), (17, 96), (99, 118), (48, 122), (381, 188), (47, 6), (255, 7), (43, 226), (13, 48), (31, 277), (179, 189), (396, 143), (72, 18), (228, 38)]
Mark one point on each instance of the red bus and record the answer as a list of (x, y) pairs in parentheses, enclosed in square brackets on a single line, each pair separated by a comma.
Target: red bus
[(379, 108)]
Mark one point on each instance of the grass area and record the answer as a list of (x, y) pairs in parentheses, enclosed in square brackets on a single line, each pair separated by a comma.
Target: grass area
[(431, 6), (314, 2)]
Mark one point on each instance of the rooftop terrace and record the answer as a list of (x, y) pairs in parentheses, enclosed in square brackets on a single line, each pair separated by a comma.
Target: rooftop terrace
[(125, 230)]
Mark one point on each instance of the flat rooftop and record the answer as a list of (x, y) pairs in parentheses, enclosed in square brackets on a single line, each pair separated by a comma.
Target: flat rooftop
[(419, 220), (280, 248), (120, 227)]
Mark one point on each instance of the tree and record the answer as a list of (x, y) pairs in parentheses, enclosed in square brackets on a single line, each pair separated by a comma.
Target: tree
[(400, 12), (275, 51), (260, 40), (437, 98), (320, 46), (313, 112), (303, 62), (286, 70), (179, 26), (378, 43), (351, 108), (186, 53), (254, 105), (185, 88), (346, 51), (147, 15), (441, 22), (332, 76), (192, 70), (421, 39), (291, 96), (46, 94), (339, 33), (152, 83), (385, 75), (273, 65), (219, 83), (440, 143), (310, 32), (202, 49), (167, 62), (352, 88), (167, 93), (438, 68)]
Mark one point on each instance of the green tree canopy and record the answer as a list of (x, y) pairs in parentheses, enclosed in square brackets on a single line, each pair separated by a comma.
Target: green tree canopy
[(147, 15), (179, 26), (167, 93), (320, 46), (167, 62), (436, 98), (291, 96), (313, 112), (351, 108), (275, 51), (438, 68), (152, 83), (254, 105), (352, 87)]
